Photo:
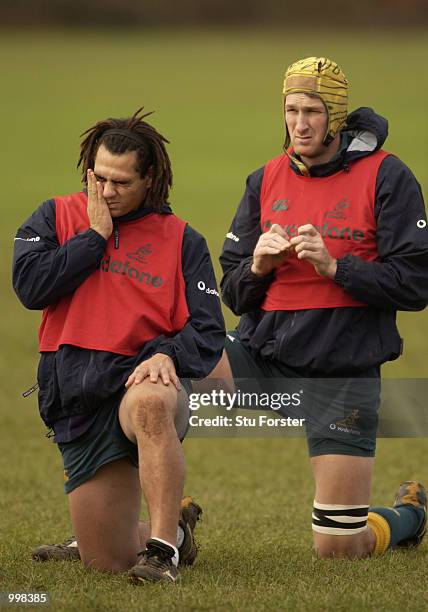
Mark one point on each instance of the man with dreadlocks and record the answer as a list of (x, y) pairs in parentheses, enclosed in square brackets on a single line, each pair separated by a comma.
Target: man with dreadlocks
[(125, 325), (329, 241)]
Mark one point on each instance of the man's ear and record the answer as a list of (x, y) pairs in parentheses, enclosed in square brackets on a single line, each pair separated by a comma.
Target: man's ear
[(149, 176)]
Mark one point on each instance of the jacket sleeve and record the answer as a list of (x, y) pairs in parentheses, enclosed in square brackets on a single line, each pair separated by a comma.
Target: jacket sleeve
[(197, 348), (399, 280), (242, 290), (43, 270)]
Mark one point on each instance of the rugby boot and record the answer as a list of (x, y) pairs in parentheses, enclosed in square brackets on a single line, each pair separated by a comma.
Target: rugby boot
[(69, 551), (413, 493), (189, 516), (155, 564)]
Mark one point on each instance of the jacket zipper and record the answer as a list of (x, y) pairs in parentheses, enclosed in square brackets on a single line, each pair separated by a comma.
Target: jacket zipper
[(30, 390), (285, 336), (84, 379), (116, 234)]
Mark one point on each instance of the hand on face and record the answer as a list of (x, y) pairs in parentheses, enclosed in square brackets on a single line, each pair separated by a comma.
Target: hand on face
[(98, 212), (159, 366), (272, 248), (123, 189), (309, 245)]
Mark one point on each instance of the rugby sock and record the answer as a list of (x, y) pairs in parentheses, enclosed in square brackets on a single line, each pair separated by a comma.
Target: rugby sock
[(176, 554), (392, 525), (180, 536), (382, 531)]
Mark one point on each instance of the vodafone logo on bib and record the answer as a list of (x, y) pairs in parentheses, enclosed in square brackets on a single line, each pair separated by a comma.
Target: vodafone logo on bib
[(202, 287)]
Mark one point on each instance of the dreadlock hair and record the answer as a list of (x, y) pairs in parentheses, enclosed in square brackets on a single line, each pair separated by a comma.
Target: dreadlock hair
[(133, 134)]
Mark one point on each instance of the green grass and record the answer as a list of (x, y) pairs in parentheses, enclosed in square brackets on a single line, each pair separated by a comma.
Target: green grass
[(255, 540), (217, 98)]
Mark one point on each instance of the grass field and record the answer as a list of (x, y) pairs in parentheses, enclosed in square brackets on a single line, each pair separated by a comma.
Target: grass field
[(217, 99)]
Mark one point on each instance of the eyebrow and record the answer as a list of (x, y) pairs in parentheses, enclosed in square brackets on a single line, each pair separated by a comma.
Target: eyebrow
[(100, 176), (305, 107)]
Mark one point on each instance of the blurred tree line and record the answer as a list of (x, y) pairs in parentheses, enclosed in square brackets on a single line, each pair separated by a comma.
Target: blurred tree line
[(87, 13)]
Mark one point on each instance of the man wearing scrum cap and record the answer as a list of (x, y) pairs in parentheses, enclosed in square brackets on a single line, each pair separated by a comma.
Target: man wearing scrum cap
[(124, 327), (328, 242)]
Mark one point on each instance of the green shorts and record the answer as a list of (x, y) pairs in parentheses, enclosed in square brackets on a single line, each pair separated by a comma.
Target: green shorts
[(103, 443), (340, 412)]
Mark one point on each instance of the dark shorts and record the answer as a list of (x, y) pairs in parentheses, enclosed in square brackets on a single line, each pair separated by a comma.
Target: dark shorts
[(341, 412), (103, 443)]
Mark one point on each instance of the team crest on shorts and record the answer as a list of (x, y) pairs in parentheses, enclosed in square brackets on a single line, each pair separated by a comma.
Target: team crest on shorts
[(347, 425)]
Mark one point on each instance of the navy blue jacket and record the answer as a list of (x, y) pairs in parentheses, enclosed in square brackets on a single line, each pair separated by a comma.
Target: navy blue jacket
[(331, 341), (75, 381)]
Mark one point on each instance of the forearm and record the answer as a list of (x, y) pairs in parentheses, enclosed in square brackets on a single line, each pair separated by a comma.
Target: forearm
[(242, 290), (42, 276), (388, 286), (195, 350)]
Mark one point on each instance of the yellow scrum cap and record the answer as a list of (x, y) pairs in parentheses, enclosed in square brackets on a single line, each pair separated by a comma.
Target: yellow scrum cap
[(321, 77)]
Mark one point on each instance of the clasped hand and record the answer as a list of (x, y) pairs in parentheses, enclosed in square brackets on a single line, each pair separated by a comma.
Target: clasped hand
[(275, 246), (310, 246)]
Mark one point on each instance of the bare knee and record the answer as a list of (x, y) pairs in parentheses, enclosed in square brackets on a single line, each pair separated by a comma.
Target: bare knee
[(105, 562), (343, 547), (151, 414)]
